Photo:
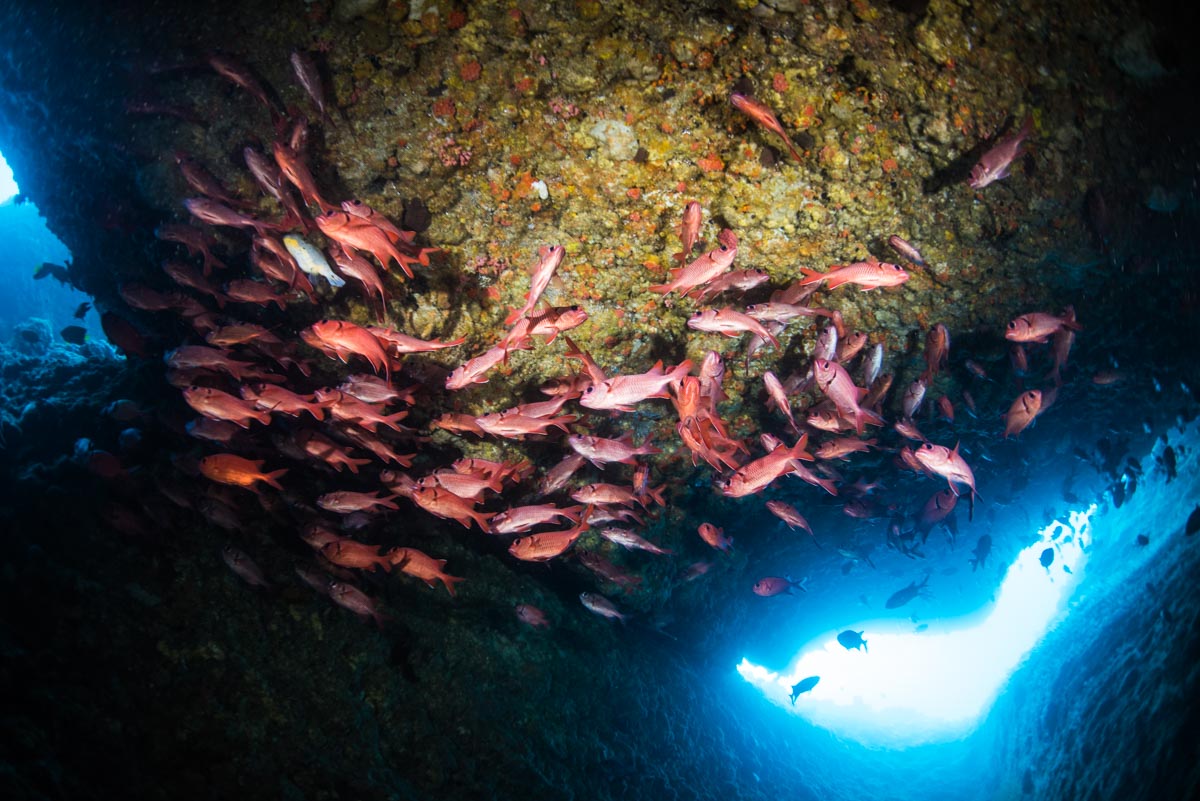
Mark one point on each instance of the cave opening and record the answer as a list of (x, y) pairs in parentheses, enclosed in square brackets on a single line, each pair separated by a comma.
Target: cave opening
[(37, 294), (910, 683)]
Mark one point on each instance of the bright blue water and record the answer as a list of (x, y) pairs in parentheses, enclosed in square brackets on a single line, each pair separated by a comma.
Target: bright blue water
[(27, 242), (936, 683)]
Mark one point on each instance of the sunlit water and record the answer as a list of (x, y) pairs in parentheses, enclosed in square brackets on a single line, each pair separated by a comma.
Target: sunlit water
[(911, 687), (28, 242)]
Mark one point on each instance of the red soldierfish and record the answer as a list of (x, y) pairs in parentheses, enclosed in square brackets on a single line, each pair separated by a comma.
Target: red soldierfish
[(838, 386), (621, 392), (764, 117), (541, 274), (352, 231), (946, 463), (702, 270), (600, 451), (199, 178), (741, 280), (271, 398), (346, 552), (345, 502), (867, 274), (906, 249), (420, 565), (310, 78), (210, 211), (842, 447), (937, 350), (520, 519), (531, 616), (547, 545), (292, 165), (601, 606), (758, 475), (788, 514), (715, 537), (398, 344), (689, 230), (1022, 413), (946, 407), (342, 339), (1061, 342), (1038, 326), (244, 566), (236, 72), (993, 165), (627, 539), (778, 397), (443, 503), (355, 600), (226, 468), (914, 396), (774, 585), (729, 322), (938, 507), (218, 405)]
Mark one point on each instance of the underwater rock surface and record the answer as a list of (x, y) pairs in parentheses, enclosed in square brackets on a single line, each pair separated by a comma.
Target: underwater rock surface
[(505, 153)]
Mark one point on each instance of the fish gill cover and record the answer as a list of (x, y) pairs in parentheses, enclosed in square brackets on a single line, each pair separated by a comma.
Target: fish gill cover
[(498, 328)]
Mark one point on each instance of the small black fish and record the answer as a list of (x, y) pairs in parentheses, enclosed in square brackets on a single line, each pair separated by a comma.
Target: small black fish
[(47, 268), (804, 686), (903, 596), (1047, 558), (75, 334), (82, 310), (982, 549), (1168, 462), (1193, 523), (1143, 540)]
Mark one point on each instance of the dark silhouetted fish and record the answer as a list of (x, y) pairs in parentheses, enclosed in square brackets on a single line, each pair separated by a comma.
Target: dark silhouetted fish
[(982, 549), (1143, 540), (1047, 558), (47, 268), (75, 334), (852, 640), (804, 686), (1193, 522), (82, 310), (901, 597), (1167, 460)]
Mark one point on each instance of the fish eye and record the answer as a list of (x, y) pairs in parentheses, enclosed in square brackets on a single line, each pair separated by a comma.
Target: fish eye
[(1012, 323), (724, 248)]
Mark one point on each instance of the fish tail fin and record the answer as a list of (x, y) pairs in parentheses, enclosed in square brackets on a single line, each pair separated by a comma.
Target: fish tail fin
[(680, 371), (811, 276), (273, 477), (449, 581)]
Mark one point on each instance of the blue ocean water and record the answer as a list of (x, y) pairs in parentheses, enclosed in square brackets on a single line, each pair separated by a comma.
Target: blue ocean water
[(27, 243)]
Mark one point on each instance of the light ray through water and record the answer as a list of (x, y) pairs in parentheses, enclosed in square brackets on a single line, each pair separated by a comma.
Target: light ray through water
[(909, 688)]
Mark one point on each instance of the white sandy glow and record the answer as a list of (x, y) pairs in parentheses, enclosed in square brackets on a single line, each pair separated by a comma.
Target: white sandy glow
[(935, 685)]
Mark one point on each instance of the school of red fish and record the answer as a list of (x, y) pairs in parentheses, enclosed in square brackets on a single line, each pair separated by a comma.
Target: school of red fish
[(258, 391)]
